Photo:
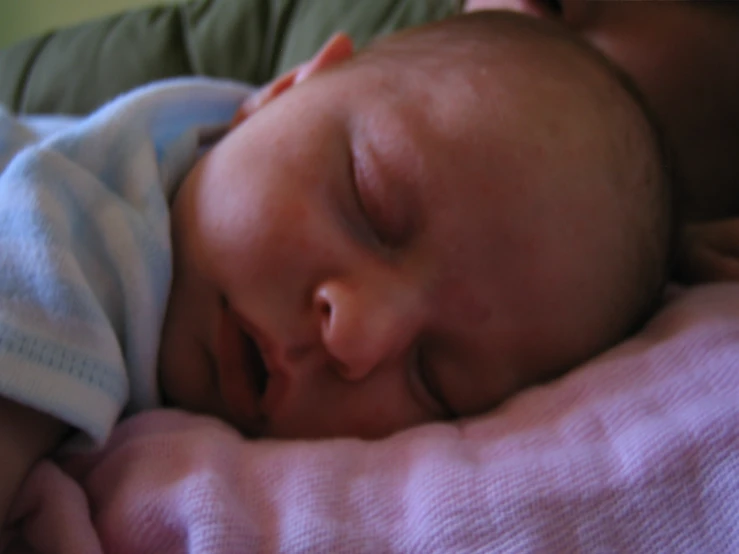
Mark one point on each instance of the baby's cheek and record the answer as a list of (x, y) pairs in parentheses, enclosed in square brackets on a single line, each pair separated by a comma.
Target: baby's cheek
[(376, 415), (385, 412), (459, 301)]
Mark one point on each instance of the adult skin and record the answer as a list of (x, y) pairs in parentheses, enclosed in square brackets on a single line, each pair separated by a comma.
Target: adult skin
[(683, 56)]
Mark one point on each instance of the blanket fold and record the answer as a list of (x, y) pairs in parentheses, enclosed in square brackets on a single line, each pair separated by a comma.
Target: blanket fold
[(85, 255)]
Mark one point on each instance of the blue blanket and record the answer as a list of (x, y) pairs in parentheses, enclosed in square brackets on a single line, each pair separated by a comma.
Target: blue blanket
[(85, 255)]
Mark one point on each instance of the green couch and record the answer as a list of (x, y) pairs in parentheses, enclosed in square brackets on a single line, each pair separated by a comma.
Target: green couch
[(74, 70)]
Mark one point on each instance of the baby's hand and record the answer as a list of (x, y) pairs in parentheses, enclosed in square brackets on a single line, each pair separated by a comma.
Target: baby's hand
[(25, 437), (709, 252)]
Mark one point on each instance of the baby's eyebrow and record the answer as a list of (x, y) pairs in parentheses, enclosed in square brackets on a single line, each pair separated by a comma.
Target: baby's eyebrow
[(450, 411), (441, 372), (431, 377), (464, 380)]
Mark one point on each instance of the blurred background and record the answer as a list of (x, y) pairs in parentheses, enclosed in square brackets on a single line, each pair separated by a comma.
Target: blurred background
[(23, 18)]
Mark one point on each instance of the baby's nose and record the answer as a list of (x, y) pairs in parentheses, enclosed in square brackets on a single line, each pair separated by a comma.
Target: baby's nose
[(362, 330)]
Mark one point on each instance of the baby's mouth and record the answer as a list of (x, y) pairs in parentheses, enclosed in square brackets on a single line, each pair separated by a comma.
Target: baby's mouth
[(255, 366), (242, 375)]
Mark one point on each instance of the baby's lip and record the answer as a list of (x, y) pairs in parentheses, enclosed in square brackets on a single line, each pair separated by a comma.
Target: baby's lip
[(239, 371), (275, 382)]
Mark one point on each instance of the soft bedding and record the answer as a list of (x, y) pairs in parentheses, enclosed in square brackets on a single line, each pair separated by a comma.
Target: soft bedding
[(637, 451)]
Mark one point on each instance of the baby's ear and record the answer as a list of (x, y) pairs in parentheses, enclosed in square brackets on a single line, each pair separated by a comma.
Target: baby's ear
[(336, 50)]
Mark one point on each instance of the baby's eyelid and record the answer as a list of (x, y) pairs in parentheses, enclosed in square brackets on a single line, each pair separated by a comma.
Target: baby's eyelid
[(428, 379), (379, 204), (363, 203)]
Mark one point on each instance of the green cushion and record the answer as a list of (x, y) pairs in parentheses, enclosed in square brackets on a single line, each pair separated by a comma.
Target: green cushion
[(74, 70)]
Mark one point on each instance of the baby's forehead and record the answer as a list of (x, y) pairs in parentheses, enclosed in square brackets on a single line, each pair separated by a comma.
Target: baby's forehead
[(432, 67), (505, 88), (500, 39)]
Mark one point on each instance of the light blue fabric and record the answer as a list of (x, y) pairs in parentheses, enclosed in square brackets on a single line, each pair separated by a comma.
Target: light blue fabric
[(85, 255)]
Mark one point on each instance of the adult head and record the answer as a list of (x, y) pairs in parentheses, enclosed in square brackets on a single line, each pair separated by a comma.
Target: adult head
[(683, 56)]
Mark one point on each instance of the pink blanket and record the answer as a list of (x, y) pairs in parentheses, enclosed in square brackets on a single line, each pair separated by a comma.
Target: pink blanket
[(637, 451)]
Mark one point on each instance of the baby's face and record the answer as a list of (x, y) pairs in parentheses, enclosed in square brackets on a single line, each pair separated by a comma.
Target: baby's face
[(374, 249)]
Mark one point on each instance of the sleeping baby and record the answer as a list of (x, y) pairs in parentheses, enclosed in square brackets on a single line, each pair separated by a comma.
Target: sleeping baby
[(373, 241)]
